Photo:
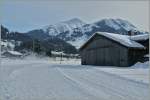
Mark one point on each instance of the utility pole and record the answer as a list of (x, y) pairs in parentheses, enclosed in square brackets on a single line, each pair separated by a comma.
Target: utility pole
[(61, 53), (0, 46), (33, 45)]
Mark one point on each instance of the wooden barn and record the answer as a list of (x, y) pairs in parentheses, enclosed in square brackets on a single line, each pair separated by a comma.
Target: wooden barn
[(109, 49)]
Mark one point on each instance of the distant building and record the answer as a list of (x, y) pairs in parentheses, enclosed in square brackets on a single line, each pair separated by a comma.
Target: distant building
[(11, 54), (109, 49)]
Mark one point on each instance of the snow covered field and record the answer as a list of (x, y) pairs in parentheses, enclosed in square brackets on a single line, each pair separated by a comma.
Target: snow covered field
[(50, 79), (138, 72)]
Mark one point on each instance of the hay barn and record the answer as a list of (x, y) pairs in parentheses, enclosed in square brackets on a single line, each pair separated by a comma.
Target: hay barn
[(109, 49)]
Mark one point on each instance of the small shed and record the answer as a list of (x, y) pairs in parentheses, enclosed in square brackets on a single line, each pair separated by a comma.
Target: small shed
[(110, 49)]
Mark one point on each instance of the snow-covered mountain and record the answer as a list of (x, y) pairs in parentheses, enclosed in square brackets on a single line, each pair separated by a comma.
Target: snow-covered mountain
[(62, 27), (76, 32)]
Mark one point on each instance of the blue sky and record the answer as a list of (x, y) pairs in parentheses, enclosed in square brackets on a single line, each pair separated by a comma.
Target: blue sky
[(25, 15)]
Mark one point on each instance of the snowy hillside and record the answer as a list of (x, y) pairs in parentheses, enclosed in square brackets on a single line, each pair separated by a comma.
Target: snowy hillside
[(119, 23), (24, 42), (42, 79), (9, 44), (5, 45), (76, 32)]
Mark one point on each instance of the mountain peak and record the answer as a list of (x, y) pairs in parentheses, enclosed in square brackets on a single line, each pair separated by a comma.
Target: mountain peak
[(75, 21), (65, 26), (118, 24)]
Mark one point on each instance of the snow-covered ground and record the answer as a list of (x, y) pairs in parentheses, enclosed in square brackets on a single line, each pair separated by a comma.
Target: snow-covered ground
[(138, 72), (49, 79)]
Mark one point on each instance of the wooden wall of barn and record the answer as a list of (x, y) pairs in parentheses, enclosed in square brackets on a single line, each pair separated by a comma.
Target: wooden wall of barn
[(104, 52)]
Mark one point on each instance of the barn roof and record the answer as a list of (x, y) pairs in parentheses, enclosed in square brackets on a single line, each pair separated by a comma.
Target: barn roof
[(124, 40), (140, 37), (14, 53)]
